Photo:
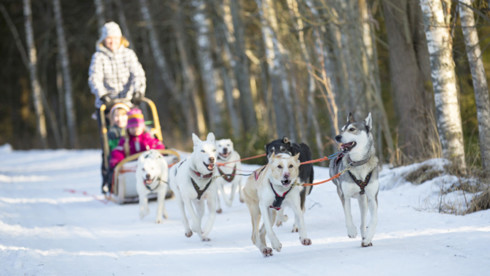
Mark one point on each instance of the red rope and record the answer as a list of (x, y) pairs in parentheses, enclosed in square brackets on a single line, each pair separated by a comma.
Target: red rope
[(315, 160), (324, 181), (243, 159)]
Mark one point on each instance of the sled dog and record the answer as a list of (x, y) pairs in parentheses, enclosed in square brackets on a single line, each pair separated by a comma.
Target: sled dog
[(306, 174), (152, 177), (361, 178), (267, 191), (229, 173), (192, 180)]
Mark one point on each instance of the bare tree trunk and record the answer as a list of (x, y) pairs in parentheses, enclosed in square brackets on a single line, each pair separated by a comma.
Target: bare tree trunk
[(409, 78), (241, 69), (448, 114), (190, 100), (65, 67), (224, 61), (35, 86), (99, 13), (479, 79), (276, 67), (206, 65)]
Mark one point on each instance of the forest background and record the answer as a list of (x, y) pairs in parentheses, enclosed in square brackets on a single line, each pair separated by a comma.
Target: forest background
[(254, 71)]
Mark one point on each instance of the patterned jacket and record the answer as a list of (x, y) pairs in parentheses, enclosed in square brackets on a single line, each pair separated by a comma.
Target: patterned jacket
[(134, 145), (118, 74)]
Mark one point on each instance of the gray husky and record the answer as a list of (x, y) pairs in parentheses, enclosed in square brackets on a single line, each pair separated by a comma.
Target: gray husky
[(360, 179)]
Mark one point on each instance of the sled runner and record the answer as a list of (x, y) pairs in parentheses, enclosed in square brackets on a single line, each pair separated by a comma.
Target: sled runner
[(123, 186)]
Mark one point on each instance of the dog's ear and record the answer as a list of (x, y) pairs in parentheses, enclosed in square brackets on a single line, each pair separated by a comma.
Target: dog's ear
[(296, 157), (211, 138), (273, 154), (286, 140), (350, 118), (196, 140), (368, 122)]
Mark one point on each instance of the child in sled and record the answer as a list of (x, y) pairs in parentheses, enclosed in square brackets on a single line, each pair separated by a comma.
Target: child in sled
[(137, 139)]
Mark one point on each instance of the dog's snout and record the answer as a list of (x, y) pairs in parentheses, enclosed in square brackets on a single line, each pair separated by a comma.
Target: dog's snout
[(286, 175), (225, 150), (148, 176), (211, 159), (338, 138)]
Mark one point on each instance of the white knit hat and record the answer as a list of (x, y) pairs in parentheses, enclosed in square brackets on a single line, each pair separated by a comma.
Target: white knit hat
[(110, 29)]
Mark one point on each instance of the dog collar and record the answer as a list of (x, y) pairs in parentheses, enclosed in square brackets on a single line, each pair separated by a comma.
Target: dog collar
[(278, 198), (203, 175), (357, 163), (159, 181), (228, 177), (361, 183)]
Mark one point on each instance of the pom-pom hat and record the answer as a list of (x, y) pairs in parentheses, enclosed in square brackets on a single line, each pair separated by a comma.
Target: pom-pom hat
[(110, 29), (135, 118)]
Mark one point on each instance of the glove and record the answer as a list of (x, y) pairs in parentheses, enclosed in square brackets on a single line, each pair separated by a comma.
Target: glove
[(137, 96), (106, 99)]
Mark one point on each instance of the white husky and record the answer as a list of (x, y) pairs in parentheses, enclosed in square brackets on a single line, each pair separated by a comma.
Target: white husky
[(152, 177), (192, 182), (229, 172), (361, 179), (267, 191)]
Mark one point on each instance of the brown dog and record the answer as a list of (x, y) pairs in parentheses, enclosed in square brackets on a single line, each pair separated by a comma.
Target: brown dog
[(269, 189)]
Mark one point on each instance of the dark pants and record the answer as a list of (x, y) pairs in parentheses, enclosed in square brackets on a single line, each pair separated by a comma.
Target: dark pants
[(105, 170)]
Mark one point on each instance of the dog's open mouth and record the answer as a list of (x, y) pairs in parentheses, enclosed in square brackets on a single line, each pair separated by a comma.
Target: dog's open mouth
[(148, 181), (225, 155), (347, 146), (209, 166), (286, 182)]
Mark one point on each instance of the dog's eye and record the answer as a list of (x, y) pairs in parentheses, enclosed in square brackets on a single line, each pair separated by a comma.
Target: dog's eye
[(202, 151), (280, 166), (352, 129), (290, 166)]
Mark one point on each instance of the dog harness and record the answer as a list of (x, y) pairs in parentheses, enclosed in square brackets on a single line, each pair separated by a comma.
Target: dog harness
[(203, 175), (198, 191), (361, 183), (279, 199), (148, 186), (228, 177)]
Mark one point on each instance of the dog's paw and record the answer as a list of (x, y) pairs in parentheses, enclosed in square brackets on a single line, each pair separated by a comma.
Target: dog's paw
[(367, 245), (219, 211), (277, 245), (267, 252), (351, 232), (159, 221), (305, 241), (295, 229), (205, 239), (188, 234)]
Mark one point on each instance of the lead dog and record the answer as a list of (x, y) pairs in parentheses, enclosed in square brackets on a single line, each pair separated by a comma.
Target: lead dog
[(152, 177), (361, 180), (306, 173), (192, 181), (228, 172), (265, 193)]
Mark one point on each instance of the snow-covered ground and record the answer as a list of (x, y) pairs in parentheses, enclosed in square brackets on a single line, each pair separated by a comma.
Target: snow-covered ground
[(53, 221)]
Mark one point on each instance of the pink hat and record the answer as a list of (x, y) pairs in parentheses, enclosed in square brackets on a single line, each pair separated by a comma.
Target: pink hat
[(135, 118)]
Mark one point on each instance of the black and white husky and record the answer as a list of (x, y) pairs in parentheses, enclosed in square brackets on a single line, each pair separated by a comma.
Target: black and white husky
[(229, 173), (192, 181), (360, 180)]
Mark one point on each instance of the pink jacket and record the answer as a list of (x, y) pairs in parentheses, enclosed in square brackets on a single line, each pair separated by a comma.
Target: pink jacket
[(137, 144)]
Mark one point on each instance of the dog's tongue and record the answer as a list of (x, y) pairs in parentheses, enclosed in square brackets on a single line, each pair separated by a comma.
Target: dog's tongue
[(347, 146), (148, 181), (210, 166)]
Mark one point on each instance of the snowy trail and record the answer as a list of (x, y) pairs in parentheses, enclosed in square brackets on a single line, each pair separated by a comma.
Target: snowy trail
[(54, 222)]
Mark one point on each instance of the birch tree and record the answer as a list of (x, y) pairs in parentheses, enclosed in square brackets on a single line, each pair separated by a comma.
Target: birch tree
[(275, 57), (35, 86), (478, 75), (99, 13), (65, 67), (206, 64), (440, 46)]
